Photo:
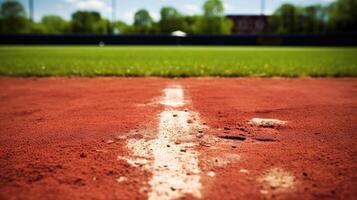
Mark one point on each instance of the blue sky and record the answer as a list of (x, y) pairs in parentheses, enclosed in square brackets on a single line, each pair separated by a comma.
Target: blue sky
[(126, 8)]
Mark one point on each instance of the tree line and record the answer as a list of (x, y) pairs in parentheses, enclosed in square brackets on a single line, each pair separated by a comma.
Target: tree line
[(338, 16)]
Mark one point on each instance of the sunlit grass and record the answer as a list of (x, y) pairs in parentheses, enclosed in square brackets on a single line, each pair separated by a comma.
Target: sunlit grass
[(176, 61)]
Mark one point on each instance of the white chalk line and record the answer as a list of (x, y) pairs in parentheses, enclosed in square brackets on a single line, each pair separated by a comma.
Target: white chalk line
[(174, 166), (173, 96)]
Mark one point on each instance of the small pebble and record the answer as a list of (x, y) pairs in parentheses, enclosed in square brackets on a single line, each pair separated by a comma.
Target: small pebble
[(211, 174), (263, 191), (121, 179), (174, 115), (120, 137), (199, 135), (109, 141), (186, 110), (244, 171), (83, 155), (189, 121)]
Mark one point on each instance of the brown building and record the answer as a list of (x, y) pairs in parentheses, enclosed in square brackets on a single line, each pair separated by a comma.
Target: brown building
[(249, 24)]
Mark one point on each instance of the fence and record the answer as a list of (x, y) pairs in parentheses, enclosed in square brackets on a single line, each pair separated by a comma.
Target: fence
[(271, 40)]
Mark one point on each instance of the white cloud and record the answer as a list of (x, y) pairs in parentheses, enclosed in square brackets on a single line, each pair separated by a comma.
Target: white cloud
[(155, 15), (127, 16), (100, 5), (228, 7), (191, 9)]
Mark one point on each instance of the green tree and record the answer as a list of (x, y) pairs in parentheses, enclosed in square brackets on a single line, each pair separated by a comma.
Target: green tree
[(213, 8), (343, 15), (314, 18), (169, 13), (55, 24), (286, 19), (103, 26), (171, 20), (213, 21), (38, 28), (142, 22), (191, 24), (214, 26), (13, 18), (89, 22), (121, 27)]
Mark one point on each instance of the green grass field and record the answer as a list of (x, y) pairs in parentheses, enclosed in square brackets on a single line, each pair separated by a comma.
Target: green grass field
[(176, 61)]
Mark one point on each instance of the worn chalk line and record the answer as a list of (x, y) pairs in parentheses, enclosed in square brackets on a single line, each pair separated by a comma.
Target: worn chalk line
[(174, 164)]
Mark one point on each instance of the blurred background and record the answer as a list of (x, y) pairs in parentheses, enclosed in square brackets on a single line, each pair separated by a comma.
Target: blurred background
[(198, 17), (187, 22)]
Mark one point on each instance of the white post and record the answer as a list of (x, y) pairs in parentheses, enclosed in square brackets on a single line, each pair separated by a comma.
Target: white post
[(31, 10)]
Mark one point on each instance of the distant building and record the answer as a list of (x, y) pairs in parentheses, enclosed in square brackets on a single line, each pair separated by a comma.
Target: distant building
[(249, 24)]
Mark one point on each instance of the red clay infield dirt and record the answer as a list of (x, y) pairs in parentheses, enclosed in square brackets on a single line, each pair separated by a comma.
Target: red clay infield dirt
[(154, 138)]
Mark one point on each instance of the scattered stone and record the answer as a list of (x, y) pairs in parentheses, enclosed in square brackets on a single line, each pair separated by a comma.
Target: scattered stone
[(278, 179), (101, 150), (211, 174), (186, 110), (234, 146), (199, 135), (121, 179), (140, 163), (204, 123), (224, 160), (121, 137), (174, 115), (243, 171), (109, 141), (189, 121), (177, 142), (183, 150), (264, 191), (268, 123), (226, 128), (83, 155), (305, 174), (200, 131), (168, 145)]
